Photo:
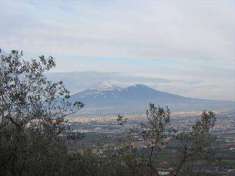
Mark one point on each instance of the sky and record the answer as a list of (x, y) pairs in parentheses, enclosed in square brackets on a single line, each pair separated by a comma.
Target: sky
[(189, 43)]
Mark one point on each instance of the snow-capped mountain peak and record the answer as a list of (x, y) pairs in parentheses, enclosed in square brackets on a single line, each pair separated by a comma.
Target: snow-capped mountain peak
[(107, 86), (108, 98)]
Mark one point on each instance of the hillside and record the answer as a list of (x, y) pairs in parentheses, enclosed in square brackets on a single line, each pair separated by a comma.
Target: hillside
[(135, 98)]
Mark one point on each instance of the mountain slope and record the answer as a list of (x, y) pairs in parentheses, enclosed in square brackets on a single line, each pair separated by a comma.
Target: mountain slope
[(134, 99)]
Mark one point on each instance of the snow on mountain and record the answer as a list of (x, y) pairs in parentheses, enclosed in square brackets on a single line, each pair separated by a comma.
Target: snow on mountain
[(107, 86), (108, 98)]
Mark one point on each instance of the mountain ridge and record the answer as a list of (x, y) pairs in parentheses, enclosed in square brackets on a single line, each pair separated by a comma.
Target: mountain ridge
[(134, 98)]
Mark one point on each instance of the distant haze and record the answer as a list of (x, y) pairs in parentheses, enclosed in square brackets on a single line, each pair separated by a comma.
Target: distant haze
[(135, 99), (184, 46), (80, 81)]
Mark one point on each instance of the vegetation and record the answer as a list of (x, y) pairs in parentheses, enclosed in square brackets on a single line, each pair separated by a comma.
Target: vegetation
[(33, 132)]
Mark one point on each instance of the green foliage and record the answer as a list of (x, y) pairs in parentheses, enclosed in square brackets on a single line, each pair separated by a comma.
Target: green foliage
[(155, 134), (33, 131), (32, 109), (27, 152), (196, 144)]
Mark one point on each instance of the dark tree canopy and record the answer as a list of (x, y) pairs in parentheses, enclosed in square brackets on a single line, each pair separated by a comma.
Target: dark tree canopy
[(33, 131), (27, 95)]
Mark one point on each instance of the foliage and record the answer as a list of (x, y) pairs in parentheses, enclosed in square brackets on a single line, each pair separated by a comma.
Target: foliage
[(33, 131), (196, 144), (32, 109)]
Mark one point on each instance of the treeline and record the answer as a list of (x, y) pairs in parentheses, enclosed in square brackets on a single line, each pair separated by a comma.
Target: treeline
[(33, 132)]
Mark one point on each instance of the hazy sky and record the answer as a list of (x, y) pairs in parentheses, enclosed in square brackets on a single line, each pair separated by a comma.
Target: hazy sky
[(190, 43)]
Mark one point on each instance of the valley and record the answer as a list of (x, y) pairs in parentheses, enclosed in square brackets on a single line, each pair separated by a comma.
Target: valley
[(106, 131)]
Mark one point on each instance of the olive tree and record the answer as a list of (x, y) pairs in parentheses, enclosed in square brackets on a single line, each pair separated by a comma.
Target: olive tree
[(155, 133), (32, 111), (195, 145)]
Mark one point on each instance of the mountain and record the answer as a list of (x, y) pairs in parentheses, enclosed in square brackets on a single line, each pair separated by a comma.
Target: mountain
[(79, 81), (134, 99)]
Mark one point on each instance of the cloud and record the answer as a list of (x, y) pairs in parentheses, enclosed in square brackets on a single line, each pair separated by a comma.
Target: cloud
[(142, 29), (183, 40), (77, 81)]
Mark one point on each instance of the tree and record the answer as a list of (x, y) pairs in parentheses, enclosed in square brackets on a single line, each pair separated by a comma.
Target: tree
[(32, 131), (32, 111), (195, 145), (26, 94), (155, 133)]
